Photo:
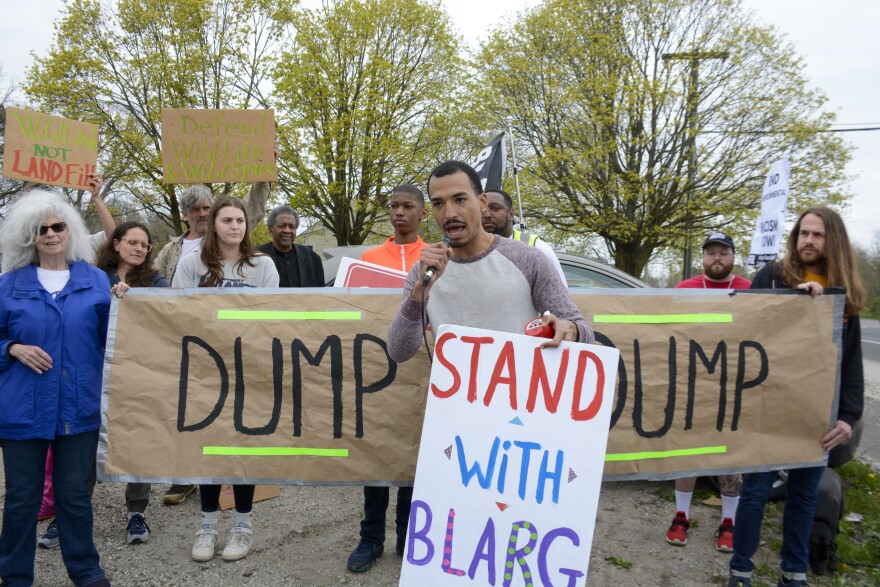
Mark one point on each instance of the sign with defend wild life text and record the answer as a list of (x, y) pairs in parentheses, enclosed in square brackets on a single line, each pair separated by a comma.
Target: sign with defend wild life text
[(49, 149), (771, 223), (510, 462), (205, 146)]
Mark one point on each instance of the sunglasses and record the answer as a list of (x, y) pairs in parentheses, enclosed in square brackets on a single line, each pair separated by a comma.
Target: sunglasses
[(56, 228)]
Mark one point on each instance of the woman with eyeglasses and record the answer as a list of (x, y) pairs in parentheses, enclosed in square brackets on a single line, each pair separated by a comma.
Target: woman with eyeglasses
[(54, 307), (227, 259), (127, 258)]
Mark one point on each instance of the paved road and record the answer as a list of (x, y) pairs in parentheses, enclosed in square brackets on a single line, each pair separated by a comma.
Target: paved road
[(871, 340), (870, 445)]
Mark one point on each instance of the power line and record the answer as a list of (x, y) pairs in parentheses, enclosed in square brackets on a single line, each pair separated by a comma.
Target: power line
[(785, 131), (860, 129)]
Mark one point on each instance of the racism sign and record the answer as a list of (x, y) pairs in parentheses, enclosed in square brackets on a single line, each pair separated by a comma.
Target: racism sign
[(510, 462), (771, 222)]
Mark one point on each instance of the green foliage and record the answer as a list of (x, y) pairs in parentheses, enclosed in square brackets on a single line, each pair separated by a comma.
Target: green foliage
[(118, 63), (857, 543), (8, 187), (868, 259), (260, 234), (605, 123), (363, 88), (620, 563), (873, 308)]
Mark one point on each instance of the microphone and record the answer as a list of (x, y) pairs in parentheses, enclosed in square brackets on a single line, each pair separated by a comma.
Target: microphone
[(432, 270)]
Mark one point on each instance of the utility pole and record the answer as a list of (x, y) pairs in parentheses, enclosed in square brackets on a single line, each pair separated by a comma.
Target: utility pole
[(693, 100)]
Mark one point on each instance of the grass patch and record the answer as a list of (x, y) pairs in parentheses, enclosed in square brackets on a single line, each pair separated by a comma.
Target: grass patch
[(620, 563), (857, 544)]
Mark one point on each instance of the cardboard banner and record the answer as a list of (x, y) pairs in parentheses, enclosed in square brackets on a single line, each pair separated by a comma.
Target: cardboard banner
[(49, 149), (489, 163), (295, 386), (510, 462), (707, 379), (771, 223), (205, 146), (274, 386)]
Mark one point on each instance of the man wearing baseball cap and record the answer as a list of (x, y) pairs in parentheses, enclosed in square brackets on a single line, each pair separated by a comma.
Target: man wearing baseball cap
[(718, 255)]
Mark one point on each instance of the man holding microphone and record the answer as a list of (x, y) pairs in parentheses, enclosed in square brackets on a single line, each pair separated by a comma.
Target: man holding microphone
[(480, 280)]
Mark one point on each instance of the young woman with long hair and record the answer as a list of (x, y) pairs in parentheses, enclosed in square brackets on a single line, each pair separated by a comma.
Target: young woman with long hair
[(227, 259)]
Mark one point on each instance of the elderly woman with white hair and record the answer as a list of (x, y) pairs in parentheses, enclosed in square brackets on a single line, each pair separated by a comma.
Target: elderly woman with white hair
[(54, 308)]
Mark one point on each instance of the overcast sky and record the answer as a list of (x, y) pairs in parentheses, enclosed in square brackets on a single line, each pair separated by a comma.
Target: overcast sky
[(839, 43)]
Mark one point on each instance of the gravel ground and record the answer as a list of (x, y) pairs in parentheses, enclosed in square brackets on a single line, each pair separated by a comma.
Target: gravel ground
[(304, 538)]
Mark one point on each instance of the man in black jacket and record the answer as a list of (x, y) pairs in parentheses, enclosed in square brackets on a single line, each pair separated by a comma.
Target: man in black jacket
[(298, 266), (818, 255)]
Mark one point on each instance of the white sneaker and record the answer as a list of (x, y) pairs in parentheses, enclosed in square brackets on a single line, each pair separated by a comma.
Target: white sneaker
[(238, 543), (203, 547)]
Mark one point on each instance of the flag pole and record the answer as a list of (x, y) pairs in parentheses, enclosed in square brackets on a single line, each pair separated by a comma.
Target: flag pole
[(522, 225)]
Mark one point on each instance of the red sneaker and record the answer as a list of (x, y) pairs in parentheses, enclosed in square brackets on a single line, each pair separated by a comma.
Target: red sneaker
[(724, 536), (677, 535)]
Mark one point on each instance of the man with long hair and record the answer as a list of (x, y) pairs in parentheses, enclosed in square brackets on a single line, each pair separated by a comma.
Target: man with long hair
[(819, 255)]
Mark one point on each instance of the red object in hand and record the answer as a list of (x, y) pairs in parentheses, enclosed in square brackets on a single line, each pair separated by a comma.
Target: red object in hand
[(536, 328)]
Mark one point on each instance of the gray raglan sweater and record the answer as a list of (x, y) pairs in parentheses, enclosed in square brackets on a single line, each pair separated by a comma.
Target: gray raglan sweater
[(500, 289)]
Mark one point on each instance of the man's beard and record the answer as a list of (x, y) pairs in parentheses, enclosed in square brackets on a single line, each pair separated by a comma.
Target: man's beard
[(816, 258), (718, 272)]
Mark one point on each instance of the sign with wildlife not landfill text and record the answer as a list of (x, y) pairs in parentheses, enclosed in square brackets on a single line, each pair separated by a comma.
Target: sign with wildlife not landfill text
[(49, 149)]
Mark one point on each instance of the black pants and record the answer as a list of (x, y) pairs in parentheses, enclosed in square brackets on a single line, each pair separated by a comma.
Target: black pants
[(210, 497), (375, 506)]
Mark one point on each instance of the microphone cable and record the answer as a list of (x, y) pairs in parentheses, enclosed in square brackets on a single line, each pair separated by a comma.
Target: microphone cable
[(428, 275), (425, 327)]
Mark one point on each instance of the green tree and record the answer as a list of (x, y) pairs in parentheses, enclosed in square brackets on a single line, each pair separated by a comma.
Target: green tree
[(869, 269), (8, 187), (364, 89), (117, 63), (604, 122)]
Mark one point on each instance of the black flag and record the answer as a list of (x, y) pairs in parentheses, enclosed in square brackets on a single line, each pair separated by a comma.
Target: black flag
[(489, 164)]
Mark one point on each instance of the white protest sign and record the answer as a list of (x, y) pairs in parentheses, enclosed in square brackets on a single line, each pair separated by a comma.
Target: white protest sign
[(771, 222), (510, 462)]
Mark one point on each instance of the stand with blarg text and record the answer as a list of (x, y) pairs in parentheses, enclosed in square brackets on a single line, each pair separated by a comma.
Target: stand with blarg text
[(510, 461)]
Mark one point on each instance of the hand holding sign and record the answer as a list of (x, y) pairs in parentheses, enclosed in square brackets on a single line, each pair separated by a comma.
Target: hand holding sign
[(96, 182), (562, 330)]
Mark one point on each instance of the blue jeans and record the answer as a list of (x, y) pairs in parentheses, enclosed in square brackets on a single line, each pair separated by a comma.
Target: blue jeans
[(802, 493), (25, 462)]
